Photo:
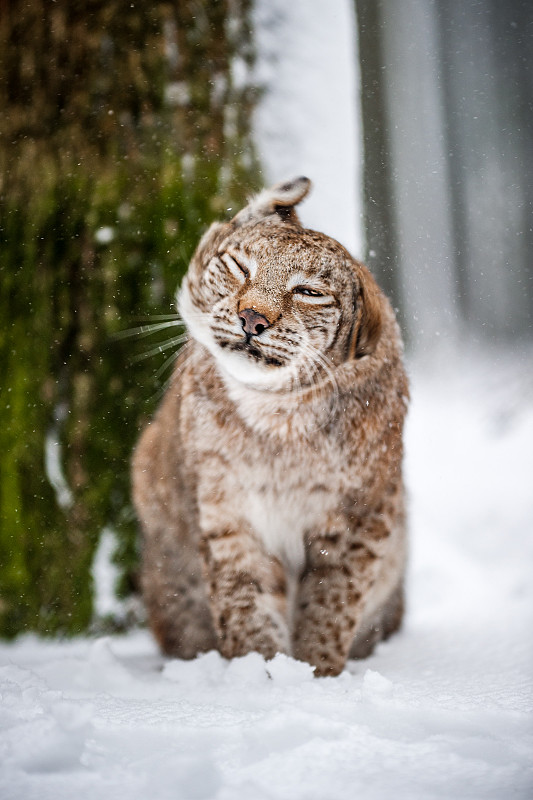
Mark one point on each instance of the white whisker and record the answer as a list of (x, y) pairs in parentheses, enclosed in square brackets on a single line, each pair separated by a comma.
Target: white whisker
[(162, 347), (185, 353), (147, 330), (318, 364), (167, 363), (158, 317)]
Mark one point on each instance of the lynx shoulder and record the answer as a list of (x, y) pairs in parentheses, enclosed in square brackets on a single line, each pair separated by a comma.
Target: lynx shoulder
[(269, 484)]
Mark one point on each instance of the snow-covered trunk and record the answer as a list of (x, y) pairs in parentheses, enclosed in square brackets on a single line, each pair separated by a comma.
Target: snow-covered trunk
[(448, 113), (420, 196), (309, 120), (488, 83)]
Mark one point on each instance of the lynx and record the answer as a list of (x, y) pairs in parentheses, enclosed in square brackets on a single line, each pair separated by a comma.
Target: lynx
[(269, 484)]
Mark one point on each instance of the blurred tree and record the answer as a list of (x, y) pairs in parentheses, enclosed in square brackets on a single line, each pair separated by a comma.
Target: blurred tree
[(124, 129), (447, 102)]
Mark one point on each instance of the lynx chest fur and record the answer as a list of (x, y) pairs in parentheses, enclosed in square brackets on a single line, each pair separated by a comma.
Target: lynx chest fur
[(269, 484)]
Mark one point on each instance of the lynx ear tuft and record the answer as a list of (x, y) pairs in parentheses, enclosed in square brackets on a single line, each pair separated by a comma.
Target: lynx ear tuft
[(279, 199)]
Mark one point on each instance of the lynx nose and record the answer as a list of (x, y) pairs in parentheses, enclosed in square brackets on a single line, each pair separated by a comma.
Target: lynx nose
[(253, 323)]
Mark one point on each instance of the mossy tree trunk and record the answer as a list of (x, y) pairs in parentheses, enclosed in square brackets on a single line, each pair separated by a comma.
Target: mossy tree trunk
[(123, 132)]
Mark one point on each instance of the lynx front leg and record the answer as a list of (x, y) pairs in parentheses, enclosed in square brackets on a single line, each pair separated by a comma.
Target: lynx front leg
[(340, 569), (247, 594)]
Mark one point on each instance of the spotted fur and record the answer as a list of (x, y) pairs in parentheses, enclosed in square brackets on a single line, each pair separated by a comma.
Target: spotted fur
[(269, 484)]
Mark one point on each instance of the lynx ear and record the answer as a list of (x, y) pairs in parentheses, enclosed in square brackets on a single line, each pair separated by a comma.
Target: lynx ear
[(279, 199), (367, 332)]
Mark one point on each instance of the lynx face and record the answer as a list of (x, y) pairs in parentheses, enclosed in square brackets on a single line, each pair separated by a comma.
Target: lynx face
[(268, 309), (277, 305)]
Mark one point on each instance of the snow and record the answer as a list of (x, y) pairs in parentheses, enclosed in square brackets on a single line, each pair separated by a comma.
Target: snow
[(441, 710), (104, 235), (105, 574), (308, 121), (53, 458)]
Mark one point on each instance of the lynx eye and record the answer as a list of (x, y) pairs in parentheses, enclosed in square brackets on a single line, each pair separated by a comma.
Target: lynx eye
[(310, 295), (237, 269), (307, 291)]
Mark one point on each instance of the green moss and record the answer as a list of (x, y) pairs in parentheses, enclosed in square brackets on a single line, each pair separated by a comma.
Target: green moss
[(145, 173)]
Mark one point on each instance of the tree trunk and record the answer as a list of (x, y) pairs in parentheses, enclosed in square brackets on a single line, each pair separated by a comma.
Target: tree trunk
[(123, 133)]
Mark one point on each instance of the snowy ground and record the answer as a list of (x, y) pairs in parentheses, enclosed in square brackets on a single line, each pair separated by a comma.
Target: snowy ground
[(442, 710)]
